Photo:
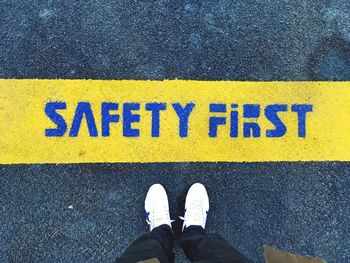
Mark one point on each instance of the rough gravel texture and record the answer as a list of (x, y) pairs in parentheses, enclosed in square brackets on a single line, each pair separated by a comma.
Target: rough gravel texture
[(90, 213)]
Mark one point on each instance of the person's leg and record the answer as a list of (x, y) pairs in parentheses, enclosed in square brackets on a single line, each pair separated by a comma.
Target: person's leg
[(198, 246), (158, 243)]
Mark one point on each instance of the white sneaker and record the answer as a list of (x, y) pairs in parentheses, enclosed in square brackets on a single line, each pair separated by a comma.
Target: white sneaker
[(196, 206), (157, 207)]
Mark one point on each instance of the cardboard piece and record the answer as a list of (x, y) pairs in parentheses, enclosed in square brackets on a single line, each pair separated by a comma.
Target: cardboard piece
[(152, 260), (273, 255)]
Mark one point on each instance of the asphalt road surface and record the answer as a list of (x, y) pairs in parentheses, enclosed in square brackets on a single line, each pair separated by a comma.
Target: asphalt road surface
[(91, 212)]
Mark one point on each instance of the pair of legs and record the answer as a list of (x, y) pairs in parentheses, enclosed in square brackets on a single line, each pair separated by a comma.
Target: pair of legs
[(197, 245)]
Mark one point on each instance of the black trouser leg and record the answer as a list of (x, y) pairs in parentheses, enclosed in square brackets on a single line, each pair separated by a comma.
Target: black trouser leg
[(156, 244), (198, 246)]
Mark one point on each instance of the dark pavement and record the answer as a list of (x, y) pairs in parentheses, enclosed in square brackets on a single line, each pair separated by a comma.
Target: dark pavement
[(91, 212)]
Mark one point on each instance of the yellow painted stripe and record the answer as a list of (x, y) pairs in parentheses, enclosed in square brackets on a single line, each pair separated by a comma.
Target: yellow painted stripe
[(23, 122)]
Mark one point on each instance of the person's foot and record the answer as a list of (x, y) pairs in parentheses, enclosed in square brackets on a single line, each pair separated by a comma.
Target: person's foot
[(196, 206), (157, 207)]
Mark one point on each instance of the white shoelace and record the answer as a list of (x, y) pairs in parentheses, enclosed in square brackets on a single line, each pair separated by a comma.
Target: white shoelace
[(156, 210), (196, 209)]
